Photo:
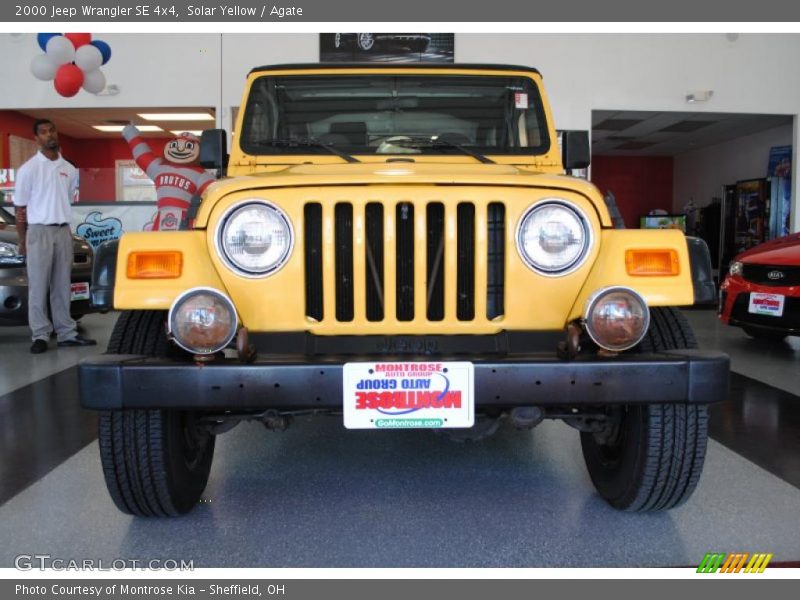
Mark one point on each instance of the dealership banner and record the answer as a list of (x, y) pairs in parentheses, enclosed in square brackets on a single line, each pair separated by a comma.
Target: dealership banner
[(254, 11), (386, 589), (101, 223)]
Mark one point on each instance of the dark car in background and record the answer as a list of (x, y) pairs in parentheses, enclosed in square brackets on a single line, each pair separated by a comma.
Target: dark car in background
[(761, 293), (14, 279), (370, 42)]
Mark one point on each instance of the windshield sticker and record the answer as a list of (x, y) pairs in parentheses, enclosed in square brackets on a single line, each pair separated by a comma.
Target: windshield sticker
[(520, 100)]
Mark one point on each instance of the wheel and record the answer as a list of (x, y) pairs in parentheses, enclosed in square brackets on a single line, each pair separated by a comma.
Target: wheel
[(366, 41), (762, 334), (155, 462), (652, 457)]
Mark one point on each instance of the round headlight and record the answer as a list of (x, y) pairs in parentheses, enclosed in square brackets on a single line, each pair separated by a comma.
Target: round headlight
[(617, 318), (8, 250), (554, 238), (735, 268), (255, 238), (202, 321)]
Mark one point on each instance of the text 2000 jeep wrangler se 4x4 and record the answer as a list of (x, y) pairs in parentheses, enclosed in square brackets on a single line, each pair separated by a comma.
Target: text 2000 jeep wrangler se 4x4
[(399, 245)]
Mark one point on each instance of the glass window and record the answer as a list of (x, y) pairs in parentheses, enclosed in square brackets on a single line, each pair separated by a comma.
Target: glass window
[(389, 114)]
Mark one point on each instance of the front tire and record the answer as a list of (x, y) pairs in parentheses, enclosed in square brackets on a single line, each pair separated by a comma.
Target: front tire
[(155, 462), (653, 458)]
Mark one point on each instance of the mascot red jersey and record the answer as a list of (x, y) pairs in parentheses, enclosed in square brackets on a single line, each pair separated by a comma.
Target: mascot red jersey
[(177, 179)]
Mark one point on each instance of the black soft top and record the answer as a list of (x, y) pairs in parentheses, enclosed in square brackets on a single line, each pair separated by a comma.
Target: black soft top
[(421, 66)]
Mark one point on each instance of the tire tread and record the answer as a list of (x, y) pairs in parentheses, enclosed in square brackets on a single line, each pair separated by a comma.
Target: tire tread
[(132, 443), (672, 447)]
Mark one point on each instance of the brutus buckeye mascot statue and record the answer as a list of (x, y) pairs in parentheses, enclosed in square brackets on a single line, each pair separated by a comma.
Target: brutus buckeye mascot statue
[(178, 177)]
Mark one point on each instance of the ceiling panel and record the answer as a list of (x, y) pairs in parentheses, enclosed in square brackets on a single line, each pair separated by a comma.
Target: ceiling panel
[(673, 133), (77, 122)]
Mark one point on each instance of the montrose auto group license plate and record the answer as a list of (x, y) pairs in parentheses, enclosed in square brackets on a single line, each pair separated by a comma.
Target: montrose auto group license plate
[(408, 395), (79, 291), (766, 304)]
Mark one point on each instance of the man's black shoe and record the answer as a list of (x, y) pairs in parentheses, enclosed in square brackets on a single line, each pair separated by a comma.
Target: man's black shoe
[(78, 340), (38, 347)]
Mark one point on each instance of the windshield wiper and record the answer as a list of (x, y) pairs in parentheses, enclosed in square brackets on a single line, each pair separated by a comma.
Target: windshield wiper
[(444, 143), (311, 142)]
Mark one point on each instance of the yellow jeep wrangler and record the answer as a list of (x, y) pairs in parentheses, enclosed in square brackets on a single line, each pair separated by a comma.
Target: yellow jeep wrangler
[(400, 247)]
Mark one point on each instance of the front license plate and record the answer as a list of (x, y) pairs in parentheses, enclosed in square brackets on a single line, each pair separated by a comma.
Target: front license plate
[(408, 395), (79, 291), (766, 304)]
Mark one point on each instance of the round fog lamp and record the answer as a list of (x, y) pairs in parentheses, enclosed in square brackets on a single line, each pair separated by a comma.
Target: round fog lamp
[(202, 321), (617, 318)]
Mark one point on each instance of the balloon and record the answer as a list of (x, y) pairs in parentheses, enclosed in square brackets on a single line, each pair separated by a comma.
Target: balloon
[(104, 48), (88, 58), (43, 67), (79, 39), (69, 80), (60, 50), (43, 38), (94, 82)]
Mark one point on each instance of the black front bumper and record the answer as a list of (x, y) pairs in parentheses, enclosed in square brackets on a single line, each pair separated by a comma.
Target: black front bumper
[(111, 382)]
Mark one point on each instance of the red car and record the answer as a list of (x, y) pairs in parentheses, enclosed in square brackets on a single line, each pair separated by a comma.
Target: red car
[(761, 293)]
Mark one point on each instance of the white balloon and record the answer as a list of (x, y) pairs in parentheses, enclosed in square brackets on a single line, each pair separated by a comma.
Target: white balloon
[(43, 67), (88, 58), (94, 82), (60, 50)]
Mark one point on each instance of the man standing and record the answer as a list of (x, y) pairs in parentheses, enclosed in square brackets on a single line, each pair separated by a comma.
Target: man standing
[(45, 187)]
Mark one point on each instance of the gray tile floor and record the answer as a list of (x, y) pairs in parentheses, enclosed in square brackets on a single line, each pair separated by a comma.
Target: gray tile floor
[(317, 496), (18, 367)]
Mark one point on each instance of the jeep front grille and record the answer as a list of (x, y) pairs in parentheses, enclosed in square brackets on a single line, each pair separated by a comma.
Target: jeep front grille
[(404, 261)]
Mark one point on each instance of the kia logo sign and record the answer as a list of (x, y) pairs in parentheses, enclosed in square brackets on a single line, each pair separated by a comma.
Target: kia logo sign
[(773, 275)]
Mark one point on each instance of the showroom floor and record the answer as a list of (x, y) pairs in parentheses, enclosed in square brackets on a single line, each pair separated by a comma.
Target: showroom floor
[(317, 496)]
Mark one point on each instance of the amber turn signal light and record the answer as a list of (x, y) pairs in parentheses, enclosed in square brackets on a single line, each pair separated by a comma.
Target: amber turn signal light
[(644, 263), (166, 264)]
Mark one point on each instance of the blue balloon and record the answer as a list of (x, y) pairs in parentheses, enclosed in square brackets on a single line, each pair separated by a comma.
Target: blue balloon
[(104, 48), (43, 38)]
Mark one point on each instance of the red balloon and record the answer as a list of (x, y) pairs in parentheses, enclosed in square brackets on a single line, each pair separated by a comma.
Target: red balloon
[(78, 39), (68, 80)]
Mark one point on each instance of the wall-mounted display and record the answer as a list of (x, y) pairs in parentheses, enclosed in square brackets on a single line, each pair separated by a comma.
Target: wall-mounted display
[(386, 47), (663, 222)]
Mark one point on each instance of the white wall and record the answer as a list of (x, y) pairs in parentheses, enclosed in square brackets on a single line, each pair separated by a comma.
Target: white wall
[(242, 52), (649, 71), (700, 174), (582, 72)]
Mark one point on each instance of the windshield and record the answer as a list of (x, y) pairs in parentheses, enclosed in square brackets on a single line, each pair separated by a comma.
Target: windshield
[(395, 114)]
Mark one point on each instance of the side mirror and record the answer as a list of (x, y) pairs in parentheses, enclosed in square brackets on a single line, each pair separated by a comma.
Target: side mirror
[(575, 152), (214, 150)]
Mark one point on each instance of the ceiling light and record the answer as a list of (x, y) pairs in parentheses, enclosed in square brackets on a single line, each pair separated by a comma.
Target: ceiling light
[(195, 132), (176, 116), (119, 128)]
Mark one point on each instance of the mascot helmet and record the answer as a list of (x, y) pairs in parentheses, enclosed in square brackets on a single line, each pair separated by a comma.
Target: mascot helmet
[(183, 150)]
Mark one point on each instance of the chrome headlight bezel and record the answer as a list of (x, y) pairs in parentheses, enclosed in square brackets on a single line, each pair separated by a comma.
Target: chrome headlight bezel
[(586, 227), (219, 234), (193, 292)]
